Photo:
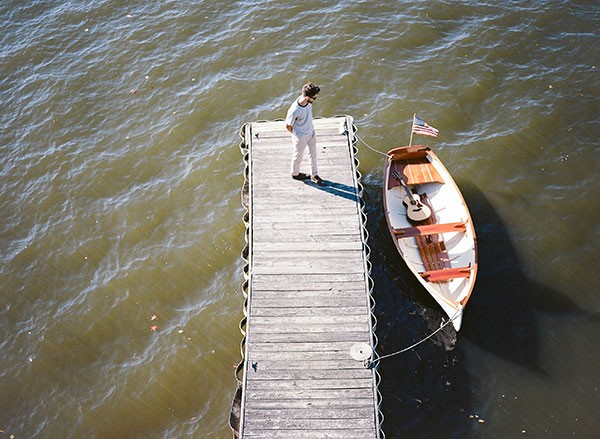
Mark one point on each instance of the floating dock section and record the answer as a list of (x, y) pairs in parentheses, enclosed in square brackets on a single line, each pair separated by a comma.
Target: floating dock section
[(308, 326)]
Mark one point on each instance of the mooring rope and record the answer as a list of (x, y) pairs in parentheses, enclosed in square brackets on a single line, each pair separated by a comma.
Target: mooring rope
[(369, 363), (370, 147)]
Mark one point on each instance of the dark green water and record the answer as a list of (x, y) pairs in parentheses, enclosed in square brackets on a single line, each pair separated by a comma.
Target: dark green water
[(121, 226)]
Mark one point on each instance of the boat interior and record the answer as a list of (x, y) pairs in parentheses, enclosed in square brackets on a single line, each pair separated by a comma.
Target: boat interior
[(416, 170)]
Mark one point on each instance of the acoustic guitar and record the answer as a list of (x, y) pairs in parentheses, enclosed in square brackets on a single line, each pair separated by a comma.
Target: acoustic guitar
[(415, 210)]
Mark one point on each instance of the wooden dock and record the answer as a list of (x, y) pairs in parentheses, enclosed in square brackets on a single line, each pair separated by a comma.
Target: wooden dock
[(308, 292)]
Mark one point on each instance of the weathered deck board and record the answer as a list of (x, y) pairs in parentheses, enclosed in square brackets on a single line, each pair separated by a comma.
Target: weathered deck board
[(308, 295)]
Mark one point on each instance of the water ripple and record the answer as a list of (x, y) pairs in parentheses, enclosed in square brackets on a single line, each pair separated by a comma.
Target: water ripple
[(120, 176)]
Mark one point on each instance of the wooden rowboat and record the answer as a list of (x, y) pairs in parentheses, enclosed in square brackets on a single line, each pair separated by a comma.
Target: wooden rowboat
[(431, 226)]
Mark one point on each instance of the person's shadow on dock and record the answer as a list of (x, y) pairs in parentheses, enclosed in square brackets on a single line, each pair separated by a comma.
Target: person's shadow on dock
[(337, 189), (426, 391)]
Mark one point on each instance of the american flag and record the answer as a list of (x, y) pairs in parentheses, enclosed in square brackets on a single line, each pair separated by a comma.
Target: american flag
[(420, 127)]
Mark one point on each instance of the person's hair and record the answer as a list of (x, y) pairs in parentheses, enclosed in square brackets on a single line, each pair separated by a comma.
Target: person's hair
[(310, 90)]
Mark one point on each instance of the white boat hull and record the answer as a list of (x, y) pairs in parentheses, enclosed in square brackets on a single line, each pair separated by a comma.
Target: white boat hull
[(452, 284)]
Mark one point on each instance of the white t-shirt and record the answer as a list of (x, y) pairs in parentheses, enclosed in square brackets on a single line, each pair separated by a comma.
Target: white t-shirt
[(301, 119)]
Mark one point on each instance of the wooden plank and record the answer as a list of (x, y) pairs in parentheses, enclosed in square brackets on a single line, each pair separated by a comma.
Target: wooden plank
[(336, 196), (415, 171), (313, 404), (273, 394), (274, 147), (343, 222), (279, 302), (430, 229), (265, 158), (308, 260), (310, 246), (322, 384), (335, 346), (353, 292), (303, 311), (339, 422), (311, 299), (326, 281), (269, 210), (350, 289), (300, 336), (311, 434), (310, 412), (305, 268), (282, 356), (313, 374), (446, 274), (280, 178), (283, 238), (313, 252), (282, 328), (273, 209), (309, 230), (311, 321), (332, 224)]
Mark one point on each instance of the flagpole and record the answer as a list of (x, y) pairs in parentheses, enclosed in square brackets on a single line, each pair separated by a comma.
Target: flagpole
[(411, 130)]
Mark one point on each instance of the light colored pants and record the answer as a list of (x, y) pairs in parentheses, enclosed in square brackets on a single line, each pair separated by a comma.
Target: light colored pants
[(300, 144)]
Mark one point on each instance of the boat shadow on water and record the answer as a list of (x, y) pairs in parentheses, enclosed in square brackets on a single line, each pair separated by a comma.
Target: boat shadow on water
[(426, 390)]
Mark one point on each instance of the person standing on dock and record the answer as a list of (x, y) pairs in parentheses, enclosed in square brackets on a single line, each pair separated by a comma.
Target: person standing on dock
[(299, 122)]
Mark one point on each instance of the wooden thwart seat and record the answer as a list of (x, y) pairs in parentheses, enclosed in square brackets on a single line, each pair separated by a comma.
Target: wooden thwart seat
[(415, 172), (430, 229), (446, 274), (432, 249)]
